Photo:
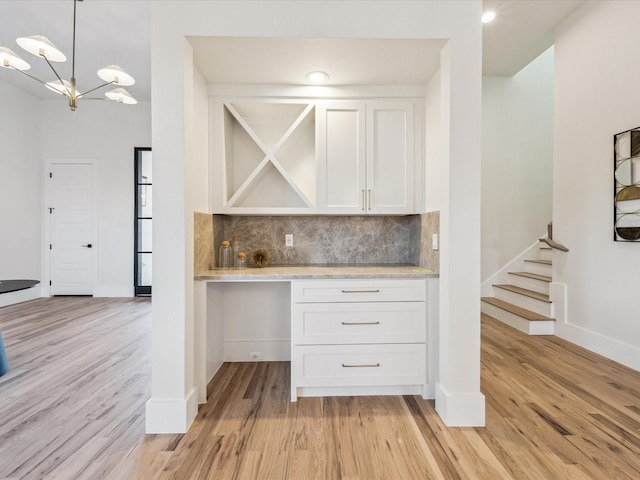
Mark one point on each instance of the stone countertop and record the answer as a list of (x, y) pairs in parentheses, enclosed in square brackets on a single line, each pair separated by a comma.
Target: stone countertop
[(299, 272)]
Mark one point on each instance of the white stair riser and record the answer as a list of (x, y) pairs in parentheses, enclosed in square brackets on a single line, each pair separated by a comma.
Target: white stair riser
[(528, 303), (539, 286), (546, 254), (537, 268), (519, 323)]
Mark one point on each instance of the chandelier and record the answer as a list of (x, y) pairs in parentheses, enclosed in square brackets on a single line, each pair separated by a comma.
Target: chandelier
[(41, 47)]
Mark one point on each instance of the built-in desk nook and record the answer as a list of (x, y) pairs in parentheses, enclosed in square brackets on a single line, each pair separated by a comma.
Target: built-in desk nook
[(347, 330)]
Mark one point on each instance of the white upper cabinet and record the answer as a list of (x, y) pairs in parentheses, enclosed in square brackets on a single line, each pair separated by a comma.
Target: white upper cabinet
[(341, 157), (265, 161), (365, 157), (390, 158), (300, 157)]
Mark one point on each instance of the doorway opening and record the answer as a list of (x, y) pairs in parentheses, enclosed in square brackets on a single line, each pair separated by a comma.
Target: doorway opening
[(142, 243)]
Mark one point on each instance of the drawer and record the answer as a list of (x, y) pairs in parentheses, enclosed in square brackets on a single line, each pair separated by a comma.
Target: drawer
[(359, 365), (350, 323), (353, 290)]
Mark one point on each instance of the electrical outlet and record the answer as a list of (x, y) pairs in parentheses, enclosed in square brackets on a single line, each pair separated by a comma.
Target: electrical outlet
[(434, 241), (255, 355), (288, 240)]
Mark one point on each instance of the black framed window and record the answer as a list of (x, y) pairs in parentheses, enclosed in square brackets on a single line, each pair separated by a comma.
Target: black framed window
[(143, 240)]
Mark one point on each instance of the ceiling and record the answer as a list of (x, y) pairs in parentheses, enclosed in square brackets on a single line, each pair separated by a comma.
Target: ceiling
[(118, 32)]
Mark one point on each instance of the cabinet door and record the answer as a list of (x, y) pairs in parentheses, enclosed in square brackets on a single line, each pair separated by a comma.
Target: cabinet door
[(390, 158), (341, 157), (263, 156)]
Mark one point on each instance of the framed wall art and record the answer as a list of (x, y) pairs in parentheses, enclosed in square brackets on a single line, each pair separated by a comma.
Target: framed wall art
[(626, 154)]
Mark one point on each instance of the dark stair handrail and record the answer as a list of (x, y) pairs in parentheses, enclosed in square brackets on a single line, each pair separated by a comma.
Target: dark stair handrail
[(549, 239)]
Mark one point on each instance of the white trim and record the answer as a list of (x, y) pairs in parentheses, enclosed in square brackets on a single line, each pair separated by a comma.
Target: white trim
[(433, 335), (460, 409), (171, 415), (306, 91), (112, 291), (613, 349), (366, 390)]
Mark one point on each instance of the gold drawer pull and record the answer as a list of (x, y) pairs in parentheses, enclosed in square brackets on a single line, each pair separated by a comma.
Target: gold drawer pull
[(360, 323), (361, 291), (360, 366)]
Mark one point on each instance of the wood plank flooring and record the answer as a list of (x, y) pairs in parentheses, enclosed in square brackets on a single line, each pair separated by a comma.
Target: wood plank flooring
[(72, 403), (72, 407)]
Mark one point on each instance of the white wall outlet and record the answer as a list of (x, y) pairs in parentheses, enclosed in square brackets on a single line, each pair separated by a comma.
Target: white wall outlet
[(434, 241), (288, 240), (255, 355)]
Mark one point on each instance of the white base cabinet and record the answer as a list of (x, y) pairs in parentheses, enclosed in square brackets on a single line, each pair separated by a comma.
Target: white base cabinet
[(358, 337)]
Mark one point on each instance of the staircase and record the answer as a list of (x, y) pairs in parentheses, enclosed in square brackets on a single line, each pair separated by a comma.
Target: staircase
[(524, 303)]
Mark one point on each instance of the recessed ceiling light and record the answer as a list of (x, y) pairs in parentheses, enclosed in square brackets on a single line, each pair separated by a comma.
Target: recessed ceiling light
[(317, 77), (488, 17)]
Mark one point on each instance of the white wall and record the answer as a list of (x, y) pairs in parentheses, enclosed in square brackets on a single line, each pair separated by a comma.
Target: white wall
[(20, 181), (517, 161), (596, 91), (107, 132), (432, 140)]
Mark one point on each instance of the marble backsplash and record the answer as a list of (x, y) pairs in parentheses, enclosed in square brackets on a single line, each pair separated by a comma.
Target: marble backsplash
[(326, 239), (430, 224), (203, 257), (322, 239)]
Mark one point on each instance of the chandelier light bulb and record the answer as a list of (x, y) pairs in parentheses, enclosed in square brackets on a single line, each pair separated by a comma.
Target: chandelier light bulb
[(120, 95), (41, 47), (63, 88), (115, 74), (9, 59)]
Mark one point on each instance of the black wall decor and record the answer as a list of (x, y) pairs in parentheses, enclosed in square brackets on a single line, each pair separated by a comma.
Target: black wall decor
[(626, 186)]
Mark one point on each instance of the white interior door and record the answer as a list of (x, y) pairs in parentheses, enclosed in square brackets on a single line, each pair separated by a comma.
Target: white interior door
[(72, 207)]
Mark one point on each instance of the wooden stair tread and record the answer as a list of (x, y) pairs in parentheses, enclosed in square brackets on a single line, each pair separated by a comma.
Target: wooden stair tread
[(543, 262), (521, 312), (524, 291), (544, 278)]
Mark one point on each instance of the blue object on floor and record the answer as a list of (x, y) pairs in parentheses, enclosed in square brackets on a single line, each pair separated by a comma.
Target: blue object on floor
[(4, 361)]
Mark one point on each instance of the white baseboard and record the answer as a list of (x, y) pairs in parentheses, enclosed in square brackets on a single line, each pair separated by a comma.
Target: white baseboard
[(169, 415), (270, 350), (11, 298), (366, 390), (613, 349), (460, 410), (113, 291)]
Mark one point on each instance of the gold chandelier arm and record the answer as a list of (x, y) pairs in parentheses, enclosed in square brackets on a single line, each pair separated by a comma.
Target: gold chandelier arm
[(57, 76), (27, 74), (94, 89)]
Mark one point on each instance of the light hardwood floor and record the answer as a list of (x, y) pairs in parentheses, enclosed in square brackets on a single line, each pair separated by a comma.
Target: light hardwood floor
[(72, 407)]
